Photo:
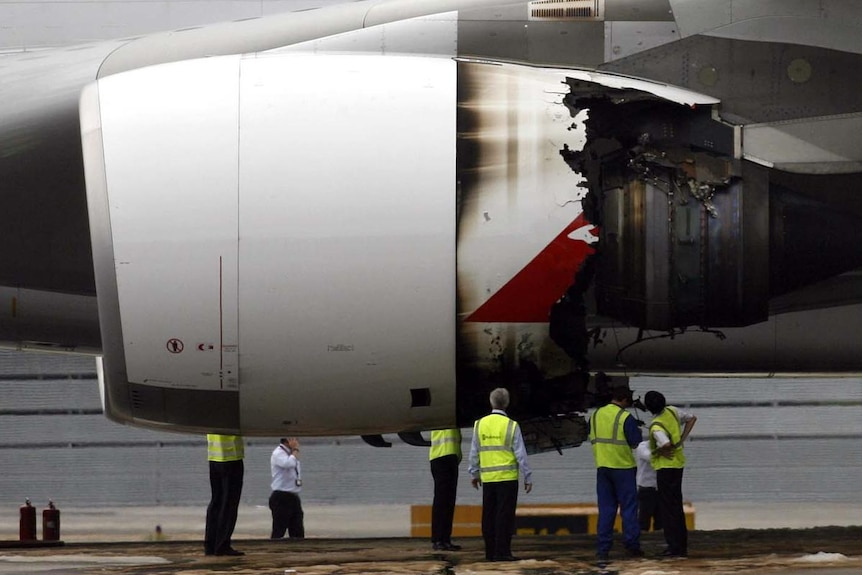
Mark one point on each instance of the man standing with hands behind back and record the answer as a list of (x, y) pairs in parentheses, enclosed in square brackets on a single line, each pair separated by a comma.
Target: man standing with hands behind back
[(668, 431), (225, 454), (497, 453), (284, 502), (444, 455)]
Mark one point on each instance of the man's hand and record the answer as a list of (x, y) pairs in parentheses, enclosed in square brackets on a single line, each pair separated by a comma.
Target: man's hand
[(476, 482), (665, 450), (528, 487)]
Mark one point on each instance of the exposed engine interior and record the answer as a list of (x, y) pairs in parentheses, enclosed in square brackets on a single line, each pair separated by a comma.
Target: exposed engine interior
[(691, 237)]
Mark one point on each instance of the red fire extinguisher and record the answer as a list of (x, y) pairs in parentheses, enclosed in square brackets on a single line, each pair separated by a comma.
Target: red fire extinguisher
[(51, 523), (27, 522)]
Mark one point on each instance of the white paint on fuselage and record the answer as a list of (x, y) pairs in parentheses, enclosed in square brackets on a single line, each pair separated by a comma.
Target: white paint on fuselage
[(528, 194)]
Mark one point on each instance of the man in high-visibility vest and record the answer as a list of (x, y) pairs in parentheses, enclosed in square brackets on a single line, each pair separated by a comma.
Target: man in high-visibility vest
[(497, 453), (668, 430), (613, 435), (444, 455), (225, 454)]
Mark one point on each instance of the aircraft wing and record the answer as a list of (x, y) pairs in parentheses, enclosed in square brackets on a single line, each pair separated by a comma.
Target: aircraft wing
[(260, 34)]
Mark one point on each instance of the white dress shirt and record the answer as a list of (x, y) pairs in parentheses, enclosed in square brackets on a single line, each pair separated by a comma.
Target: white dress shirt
[(646, 473), (285, 470)]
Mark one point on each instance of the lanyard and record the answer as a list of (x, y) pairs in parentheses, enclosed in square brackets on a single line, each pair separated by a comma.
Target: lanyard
[(298, 472)]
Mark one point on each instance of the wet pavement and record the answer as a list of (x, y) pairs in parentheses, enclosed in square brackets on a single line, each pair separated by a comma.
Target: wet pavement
[(820, 551)]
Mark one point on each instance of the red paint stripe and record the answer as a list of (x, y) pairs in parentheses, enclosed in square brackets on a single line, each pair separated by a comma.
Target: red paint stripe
[(529, 295)]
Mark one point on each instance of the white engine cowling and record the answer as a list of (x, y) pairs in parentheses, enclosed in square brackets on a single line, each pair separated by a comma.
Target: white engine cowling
[(274, 237)]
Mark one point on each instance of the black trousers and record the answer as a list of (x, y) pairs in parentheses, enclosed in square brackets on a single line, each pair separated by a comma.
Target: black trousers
[(287, 515), (499, 500), (671, 509), (226, 487), (648, 509), (444, 470)]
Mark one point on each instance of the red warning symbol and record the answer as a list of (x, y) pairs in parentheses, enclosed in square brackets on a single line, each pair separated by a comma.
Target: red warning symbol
[(175, 345)]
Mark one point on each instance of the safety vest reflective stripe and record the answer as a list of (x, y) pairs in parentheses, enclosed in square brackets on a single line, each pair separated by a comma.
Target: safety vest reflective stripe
[(500, 468), (496, 439), (607, 435), (668, 421), (615, 438), (224, 447), (445, 442)]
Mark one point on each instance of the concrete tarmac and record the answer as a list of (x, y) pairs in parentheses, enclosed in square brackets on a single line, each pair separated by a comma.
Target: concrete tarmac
[(753, 538), (818, 551)]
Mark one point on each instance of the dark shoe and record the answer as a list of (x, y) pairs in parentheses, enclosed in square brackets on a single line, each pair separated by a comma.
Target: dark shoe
[(446, 547), (673, 554), (602, 557), (231, 552), (635, 552), (506, 558)]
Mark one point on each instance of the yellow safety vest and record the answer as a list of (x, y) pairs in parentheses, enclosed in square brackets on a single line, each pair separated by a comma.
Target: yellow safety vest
[(445, 442), (224, 447), (497, 461), (610, 447), (667, 421)]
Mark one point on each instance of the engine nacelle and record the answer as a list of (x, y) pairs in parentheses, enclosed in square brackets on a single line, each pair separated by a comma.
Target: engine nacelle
[(274, 242), (287, 243)]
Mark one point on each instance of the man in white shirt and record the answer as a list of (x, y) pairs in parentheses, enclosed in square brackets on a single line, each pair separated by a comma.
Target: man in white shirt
[(648, 509), (284, 502)]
